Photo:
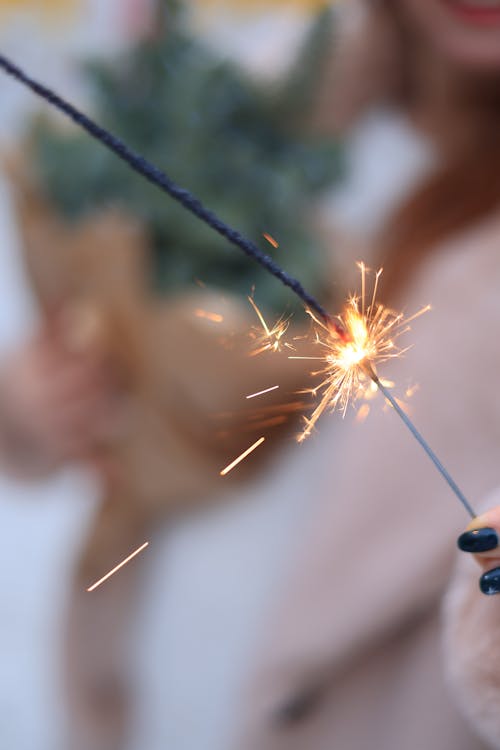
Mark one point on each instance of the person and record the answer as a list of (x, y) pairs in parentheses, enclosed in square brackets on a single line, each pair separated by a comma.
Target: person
[(350, 654), (352, 657), (344, 576)]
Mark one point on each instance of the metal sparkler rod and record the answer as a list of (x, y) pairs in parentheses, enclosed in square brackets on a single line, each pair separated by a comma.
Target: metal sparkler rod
[(418, 437)]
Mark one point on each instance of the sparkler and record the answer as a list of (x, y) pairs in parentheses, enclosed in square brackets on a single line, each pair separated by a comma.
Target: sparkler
[(365, 336), (354, 343)]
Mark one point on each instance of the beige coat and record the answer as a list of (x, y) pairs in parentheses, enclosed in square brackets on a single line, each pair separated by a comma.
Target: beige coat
[(472, 623), (351, 657)]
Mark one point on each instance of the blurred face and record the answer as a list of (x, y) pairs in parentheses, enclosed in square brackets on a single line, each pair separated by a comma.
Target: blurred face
[(464, 32)]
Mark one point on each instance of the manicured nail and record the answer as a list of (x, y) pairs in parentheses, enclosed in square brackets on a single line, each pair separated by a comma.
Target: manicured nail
[(478, 540), (489, 583)]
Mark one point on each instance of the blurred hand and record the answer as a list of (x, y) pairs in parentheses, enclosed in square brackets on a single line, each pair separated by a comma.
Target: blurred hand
[(55, 404), (482, 540)]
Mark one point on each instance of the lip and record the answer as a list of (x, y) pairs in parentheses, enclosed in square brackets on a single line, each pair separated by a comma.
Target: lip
[(479, 15)]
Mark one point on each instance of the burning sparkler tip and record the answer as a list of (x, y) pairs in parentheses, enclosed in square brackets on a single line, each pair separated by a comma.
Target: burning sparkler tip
[(354, 343)]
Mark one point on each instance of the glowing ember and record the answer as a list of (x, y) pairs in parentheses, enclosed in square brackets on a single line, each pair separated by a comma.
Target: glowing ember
[(214, 317), (261, 393), (369, 335), (270, 339), (241, 457), (117, 567), (271, 240)]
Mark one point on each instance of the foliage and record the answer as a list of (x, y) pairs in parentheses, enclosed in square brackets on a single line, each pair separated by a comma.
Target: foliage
[(239, 147)]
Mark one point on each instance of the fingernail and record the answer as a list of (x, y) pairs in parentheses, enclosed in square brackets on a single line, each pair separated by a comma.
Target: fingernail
[(489, 583), (478, 540)]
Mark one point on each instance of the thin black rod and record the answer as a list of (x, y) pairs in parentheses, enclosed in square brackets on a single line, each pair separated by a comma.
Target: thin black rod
[(418, 437), (156, 176)]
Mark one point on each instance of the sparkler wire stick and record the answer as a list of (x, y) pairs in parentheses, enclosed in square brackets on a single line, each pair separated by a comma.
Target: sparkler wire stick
[(418, 437), (157, 177)]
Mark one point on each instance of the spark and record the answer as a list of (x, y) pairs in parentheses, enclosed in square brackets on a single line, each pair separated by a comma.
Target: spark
[(117, 567), (361, 338), (270, 339), (241, 457), (214, 317), (271, 240), (261, 393)]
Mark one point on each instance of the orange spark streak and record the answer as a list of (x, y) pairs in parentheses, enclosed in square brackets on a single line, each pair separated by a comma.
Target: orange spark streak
[(214, 317), (241, 457), (271, 240), (272, 338), (117, 567), (261, 393)]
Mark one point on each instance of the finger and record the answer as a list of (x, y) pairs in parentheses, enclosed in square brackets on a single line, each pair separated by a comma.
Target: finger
[(482, 534), (481, 538)]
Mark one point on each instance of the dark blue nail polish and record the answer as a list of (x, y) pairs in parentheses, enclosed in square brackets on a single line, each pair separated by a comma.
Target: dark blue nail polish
[(478, 540), (489, 583)]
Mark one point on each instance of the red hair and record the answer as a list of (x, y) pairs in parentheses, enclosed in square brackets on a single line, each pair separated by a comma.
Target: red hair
[(375, 64)]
